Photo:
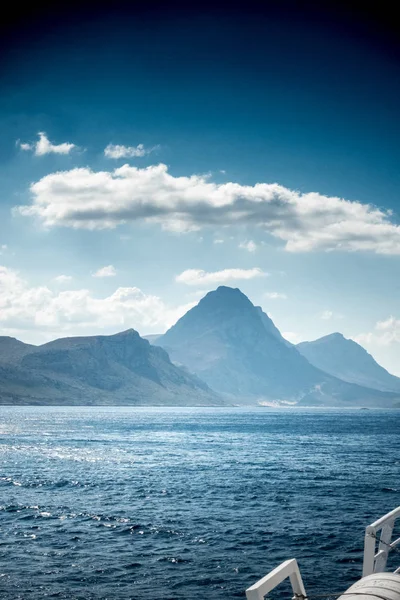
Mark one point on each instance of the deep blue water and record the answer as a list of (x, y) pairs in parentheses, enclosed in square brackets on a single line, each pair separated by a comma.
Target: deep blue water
[(192, 503)]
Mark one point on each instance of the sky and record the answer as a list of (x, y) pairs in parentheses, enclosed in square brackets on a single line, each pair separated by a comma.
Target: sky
[(148, 155)]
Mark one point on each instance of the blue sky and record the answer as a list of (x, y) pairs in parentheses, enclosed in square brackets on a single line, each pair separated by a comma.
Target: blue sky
[(145, 159)]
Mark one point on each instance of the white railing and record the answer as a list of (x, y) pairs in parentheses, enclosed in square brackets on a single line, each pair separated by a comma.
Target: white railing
[(375, 562), (269, 582)]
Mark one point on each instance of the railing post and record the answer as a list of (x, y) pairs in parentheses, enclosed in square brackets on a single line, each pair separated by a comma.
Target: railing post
[(373, 562), (369, 552), (384, 547), (289, 569), (376, 563), (297, 582)]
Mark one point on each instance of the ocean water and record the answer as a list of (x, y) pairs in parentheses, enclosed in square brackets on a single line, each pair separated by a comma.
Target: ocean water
[(168, 503)]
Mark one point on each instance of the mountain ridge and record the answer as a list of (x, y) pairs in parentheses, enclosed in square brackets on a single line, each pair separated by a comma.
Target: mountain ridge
[(223, 350), (346, 359), (118, 369), (236, 348)]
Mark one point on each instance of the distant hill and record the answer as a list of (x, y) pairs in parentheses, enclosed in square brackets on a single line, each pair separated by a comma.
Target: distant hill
[(237, 350), (111, 370), (152, 337), (348, 361)]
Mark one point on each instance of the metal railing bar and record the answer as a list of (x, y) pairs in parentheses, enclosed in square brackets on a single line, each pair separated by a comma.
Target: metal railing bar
[(394, 514)]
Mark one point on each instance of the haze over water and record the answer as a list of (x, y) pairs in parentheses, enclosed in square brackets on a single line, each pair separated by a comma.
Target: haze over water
[(169, 503)]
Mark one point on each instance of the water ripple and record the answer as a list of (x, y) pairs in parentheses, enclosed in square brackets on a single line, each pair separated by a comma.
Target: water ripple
[(125, 503)]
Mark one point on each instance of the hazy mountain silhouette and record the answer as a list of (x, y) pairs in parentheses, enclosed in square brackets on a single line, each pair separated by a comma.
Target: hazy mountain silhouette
[(349, 361), (236, 348)]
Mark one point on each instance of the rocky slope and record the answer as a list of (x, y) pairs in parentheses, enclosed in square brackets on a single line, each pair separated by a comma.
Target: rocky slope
[(121, 369), (348, 361), (237, 350)]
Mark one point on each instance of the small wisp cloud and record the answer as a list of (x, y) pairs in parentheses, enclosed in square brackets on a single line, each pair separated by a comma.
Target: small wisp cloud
[(275, 296), (44, 146), (200, 277), (108, 271), (250, 246), (118, 151)]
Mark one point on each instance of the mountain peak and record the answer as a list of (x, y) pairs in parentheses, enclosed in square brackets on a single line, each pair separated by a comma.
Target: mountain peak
[(127, 333), (224, 309), (226, 292), (235, 347), (335, 336), (226, 289), (226, 297)]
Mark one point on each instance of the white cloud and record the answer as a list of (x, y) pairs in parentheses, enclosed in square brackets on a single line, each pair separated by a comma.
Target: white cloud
[(275, 296), (250, 246), (3, 249), (63, 278), (386, 333), (118, 151), (108, 271), (196, 294), (200, 277), (82, 198), (292, 337), (38, 313), (44, 146), (383, 342), (218, 241), (326, 315)]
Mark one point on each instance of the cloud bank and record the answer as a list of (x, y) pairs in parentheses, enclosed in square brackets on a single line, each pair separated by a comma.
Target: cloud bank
[(386, 333), (82, 198), (40, 313)]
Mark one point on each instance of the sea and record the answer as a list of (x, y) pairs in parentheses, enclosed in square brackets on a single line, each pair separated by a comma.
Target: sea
[(188, 503)]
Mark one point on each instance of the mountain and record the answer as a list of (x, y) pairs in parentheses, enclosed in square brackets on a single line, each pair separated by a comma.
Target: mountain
[(12, 349), (111, 370), (270, 327), (152, 337), (348, 361), (236, 348), (225, 343)]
